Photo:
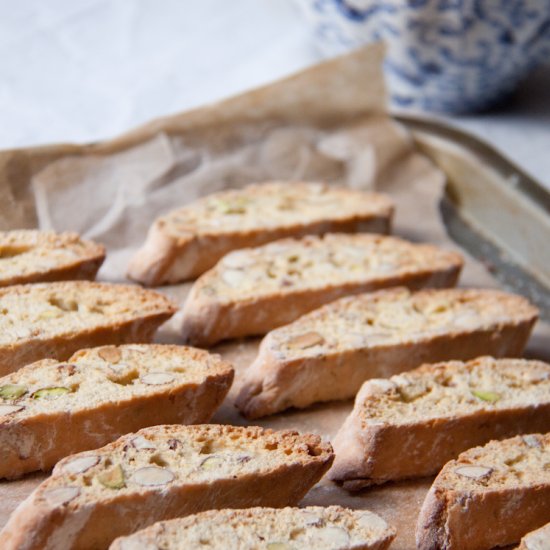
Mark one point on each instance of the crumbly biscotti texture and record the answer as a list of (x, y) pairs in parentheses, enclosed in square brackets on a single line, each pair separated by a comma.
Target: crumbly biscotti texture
[(536, 540), (255, 290), (489, 496), (162, 473), (186, 242), (49, 410), (267, 529), (54, 320), (330, 352), (411, 424), (30, 256)]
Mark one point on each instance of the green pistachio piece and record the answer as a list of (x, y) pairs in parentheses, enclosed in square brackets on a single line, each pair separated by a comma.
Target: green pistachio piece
[(211, 463), (113, 478), (236, 205), (50, 393), (488, 396), (12, 391)]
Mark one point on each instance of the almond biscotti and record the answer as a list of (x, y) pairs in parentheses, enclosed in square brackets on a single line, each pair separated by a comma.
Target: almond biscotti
[(255, 290), (330, 352), (328, 528), (29, 256), (49, 410), (186, 242), (53, 320), (411, 424), (536, 540), (489, 496), (162, 473)]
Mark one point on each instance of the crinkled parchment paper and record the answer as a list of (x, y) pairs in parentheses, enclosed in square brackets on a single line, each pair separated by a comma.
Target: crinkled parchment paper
[(327, 123)]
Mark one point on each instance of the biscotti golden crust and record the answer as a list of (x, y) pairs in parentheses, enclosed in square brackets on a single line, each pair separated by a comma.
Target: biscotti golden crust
[(329, 353), (489, 496), (267, 529), (187, 242), (30, 256), (161, 473), (49, 410), (411, 424), (255, 290), (54, 320), (536, 540)]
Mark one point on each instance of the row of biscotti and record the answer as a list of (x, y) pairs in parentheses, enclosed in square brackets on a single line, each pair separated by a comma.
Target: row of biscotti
[(410, 424), (489, 496), (324, 355), (187, 242), (252, 291), (168, 472)]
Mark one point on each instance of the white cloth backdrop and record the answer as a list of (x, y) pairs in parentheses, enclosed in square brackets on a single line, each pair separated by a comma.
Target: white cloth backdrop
[(89, 69)]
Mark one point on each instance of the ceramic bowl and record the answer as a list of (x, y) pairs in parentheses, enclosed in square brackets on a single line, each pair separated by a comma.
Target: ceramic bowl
[(443, 55)]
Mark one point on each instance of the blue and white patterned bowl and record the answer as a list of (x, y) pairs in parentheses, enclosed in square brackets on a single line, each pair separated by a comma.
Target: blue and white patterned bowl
[(443, 55)]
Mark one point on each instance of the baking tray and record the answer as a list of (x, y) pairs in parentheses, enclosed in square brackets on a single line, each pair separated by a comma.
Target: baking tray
[(480, 183), (491, 208)]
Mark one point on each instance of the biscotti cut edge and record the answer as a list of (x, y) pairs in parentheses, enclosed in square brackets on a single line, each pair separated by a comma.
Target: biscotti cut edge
[(206, 319), (495, 515), (334, 526), (92, 516), (84, 267), (372, 451), (165, 258)]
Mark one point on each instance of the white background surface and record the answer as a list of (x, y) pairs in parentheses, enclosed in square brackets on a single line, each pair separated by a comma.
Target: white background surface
[(83, 70)]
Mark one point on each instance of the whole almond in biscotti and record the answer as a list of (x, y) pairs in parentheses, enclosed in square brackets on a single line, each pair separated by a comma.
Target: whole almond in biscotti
[(162, 473), (329, 353), (186, 242), (49, 409), (536, 540), (53, 320), (488, 497), (255, 290), (267, 528), (31, 256), (411, 424)]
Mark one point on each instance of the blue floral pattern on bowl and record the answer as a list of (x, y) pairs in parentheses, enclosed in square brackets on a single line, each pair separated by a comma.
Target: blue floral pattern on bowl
[(443, 55)]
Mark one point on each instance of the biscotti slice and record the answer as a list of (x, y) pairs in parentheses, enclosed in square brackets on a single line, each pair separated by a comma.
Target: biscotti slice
[(49, 410), (53, 320), (330, 352), (315, 527), (29, 256), (255, 290), (162, 473), (536, 540), (490, 496), (411, 424), (188, 241)]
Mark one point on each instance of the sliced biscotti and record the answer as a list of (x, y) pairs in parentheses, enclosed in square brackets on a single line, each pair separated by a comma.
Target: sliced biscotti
[(255, 290), (489, 496), (411, 424), (53, 320), (29, 256), (330, 352), (328, 528), (49, 410), (162, 473), (188, 241), (536, 540)]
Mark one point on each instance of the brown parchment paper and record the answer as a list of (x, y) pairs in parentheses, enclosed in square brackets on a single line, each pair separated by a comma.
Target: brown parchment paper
[(327, 123)]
